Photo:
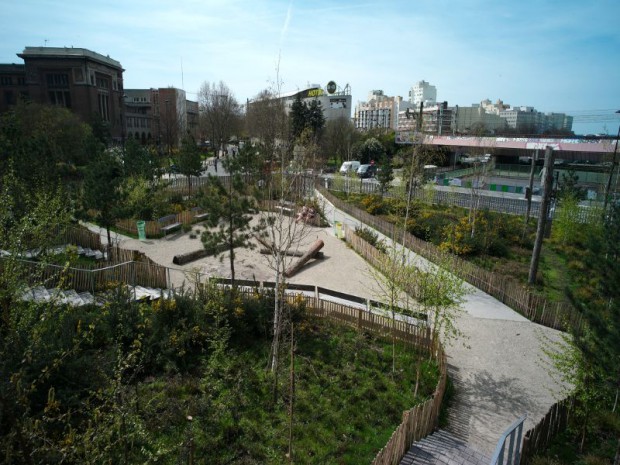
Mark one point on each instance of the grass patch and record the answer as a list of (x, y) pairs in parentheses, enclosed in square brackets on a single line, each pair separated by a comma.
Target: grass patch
[(347, 401)]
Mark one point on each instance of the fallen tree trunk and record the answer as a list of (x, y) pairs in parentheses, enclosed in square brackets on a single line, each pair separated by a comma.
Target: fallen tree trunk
[(264, 243), (318, 245), (291, 253), (197, 254), (189, 257)]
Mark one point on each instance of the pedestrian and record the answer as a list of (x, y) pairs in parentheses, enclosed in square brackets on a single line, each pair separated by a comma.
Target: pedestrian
[(215, 164)]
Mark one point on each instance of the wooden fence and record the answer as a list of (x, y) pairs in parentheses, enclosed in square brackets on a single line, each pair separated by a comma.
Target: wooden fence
[(93, 279), (152, 228), (558, 315), (79, 236), (417, 422), (538, 439), (509, 205)]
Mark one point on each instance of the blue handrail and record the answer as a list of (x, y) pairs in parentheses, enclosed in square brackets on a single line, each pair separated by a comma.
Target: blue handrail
[(514, 447)]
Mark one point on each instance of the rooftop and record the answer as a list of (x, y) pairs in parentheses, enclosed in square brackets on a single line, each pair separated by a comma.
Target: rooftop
[(67, 52)]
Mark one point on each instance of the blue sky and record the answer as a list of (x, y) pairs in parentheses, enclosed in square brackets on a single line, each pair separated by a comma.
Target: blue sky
[(561, 56)]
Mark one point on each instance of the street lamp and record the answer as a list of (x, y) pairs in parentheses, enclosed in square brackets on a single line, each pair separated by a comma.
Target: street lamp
[(611, 171)]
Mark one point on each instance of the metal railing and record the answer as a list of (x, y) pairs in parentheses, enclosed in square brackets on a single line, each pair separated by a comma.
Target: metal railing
[(513, 435)]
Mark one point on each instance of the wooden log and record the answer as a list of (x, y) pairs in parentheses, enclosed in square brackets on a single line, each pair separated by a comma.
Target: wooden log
[(264, 243), (318, 245), (292, 253), (189, 257)]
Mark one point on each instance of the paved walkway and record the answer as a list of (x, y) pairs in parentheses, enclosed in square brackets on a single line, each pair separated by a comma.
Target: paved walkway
[(496, 366)]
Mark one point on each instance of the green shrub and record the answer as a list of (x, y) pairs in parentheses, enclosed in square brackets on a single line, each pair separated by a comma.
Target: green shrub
[(371, 237)]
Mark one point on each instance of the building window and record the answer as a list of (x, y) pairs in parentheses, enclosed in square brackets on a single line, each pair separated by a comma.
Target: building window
[(103, 83), (78, 75), (58, 81), (104, 106), (62, 98), (9, 97), (6, 81)]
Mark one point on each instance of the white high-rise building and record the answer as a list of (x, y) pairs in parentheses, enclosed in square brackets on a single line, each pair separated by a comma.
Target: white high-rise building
[(422, 91), (379, 112)]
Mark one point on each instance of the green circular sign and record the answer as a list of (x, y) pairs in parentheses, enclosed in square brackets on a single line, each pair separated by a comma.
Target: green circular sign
[(331, 87)]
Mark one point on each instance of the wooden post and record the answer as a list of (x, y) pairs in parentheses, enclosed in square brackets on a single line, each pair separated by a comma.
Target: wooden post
[(542, 216)]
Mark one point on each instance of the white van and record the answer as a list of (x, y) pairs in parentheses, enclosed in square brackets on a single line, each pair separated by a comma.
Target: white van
[(349, 167)]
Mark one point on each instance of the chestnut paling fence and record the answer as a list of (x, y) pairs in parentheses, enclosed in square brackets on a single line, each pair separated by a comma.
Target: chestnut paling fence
[(538, 439), (133, 268), (558, 315)]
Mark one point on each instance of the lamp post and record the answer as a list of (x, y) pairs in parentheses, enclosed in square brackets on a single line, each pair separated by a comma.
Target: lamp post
[(611, 171)]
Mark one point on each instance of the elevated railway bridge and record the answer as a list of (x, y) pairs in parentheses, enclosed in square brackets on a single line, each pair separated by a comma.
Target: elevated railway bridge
[(589, 151)]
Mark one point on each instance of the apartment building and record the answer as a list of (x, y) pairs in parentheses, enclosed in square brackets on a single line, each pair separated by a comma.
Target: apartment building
[(423, 92), (379, 111)]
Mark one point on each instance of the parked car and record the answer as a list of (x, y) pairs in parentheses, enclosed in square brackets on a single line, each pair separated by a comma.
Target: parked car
[(349, 167), (367, 171)]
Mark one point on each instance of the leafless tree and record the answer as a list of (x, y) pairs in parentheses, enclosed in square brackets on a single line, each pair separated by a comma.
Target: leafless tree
[(482, 167), (220, 113), (339, 137), (283, 192)]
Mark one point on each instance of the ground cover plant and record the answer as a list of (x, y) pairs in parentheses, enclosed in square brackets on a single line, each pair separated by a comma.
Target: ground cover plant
[(502, 243), (185, 380)]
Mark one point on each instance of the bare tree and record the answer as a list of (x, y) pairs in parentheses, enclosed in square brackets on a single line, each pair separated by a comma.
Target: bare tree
[(482, 166), (393, 276), (339, 137), (220, 113), (283, 193)]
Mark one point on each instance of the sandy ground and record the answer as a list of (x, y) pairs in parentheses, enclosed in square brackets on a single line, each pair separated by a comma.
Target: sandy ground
[(341, 269)]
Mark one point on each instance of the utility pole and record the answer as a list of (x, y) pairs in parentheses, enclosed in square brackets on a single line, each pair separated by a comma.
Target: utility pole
[(420, 118), (542, 215), (611, 173), (528, 194)]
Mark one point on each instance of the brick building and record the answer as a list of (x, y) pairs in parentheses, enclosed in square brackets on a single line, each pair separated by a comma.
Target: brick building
[(89, 84)]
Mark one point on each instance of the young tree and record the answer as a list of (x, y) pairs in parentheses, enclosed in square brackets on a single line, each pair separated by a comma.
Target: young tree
[(137, 160), (480, 174), (298, 117), (189, 161), (371, 150), (393, 276), (31, 215), (102, 189), (385, 174), (440, 294), (230, 210)]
